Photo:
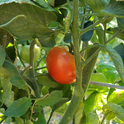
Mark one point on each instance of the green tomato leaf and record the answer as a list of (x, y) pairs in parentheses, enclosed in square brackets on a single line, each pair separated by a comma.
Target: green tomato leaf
[(18, 107), (114, 30), (59, 104), (5, 37), (120, 50), (79, 112), (41, 120), (28, 22), (117, 11), (92, 118), (116, 109), (11, 71), (93, 101), (8, 94), (120, 22), (98, 77), (68, 38), (109, 70), (97, 5), (47, 80), (19, 120), (116, 95), (88, 35), (68, 19), (117, 60), (8, 120), (2, 56), (100, 34), (51, 99)]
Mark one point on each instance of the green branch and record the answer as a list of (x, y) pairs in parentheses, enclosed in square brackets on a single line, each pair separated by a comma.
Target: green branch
[(78, 91), (31, 70)]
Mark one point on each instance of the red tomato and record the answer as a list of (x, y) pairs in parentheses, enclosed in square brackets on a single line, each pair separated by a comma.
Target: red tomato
[(61, 65)]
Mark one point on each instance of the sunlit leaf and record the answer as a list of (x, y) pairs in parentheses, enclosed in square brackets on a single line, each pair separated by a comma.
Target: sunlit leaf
[(109, 70), (95, 100), (116, 109), (92, 118)]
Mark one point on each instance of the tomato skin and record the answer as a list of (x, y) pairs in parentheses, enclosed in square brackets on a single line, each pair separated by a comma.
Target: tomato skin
[(24, 53), (61, 65)]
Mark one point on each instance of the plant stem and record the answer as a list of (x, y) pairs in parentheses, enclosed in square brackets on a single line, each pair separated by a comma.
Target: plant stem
[(107, 85), (31, 70), (78, 91)]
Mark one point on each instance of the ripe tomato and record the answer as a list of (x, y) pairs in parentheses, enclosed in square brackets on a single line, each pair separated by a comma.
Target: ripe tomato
[(24, 53), (61, 65)]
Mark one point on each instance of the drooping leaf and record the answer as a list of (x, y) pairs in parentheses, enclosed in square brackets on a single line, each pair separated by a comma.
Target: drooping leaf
[(109, 70), (120, 22), (116, 95), (66, 89), (93, 101), (8, 94), (53, 98), (115, 8), (98, 77), (68, 19), (114, 30), (92, 118), (19, 120), (43, 4), (117, 60), (41, 119), (59, 104), (2, 56), (97, 5), (11, 52), (88, 35), (5, 37), (88, 69), (8, 120), (28, 22), (120, 50), (116, 109), (11, 71), (100, 34), (79, 112), (68, 38), (18, 107), (46, 80)]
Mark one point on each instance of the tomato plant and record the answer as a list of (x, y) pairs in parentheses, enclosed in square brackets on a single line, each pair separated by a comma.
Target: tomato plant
[(80, 85), (61, 65), (25, 52)]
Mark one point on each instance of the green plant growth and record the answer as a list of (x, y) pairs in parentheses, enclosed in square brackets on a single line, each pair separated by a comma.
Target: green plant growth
[(91, 32)]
